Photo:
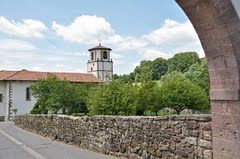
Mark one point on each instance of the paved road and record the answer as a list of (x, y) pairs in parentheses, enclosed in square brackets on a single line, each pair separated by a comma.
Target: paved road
[(16, 143)]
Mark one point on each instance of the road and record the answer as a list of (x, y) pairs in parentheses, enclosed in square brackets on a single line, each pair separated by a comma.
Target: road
[(16, 143)]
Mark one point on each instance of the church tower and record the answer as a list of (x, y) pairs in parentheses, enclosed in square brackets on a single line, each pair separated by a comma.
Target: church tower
[(100, 64)]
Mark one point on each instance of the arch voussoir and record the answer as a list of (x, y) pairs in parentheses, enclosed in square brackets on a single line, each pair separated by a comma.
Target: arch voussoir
[(218, 27)]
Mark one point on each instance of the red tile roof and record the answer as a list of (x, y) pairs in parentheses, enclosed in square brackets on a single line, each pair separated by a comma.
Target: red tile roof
[(100, 47), (25, 75), (5, 74)]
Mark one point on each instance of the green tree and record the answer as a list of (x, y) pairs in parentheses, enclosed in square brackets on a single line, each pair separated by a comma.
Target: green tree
[(126, 78), (159, 68), (144, 68), (157, 103), (145, 94), (179, 93), (54, 95), (198, 73), (181, 62), (114, 98), (96, 100), (128, 99), (43, 90)]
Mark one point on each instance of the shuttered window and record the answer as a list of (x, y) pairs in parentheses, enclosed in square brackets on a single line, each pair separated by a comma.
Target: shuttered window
[(28, 95), (1, 98)]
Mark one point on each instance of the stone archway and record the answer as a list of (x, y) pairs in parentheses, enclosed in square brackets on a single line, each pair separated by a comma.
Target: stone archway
[(218, 26)]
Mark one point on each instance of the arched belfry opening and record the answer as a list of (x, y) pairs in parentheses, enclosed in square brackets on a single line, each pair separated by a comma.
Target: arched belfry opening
[(217, 24)]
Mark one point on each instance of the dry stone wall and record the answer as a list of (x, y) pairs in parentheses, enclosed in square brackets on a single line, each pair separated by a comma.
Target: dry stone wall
[(129, 137)]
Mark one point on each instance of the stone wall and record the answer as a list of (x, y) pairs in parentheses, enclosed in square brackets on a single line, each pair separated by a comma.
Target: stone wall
[(129, 137)]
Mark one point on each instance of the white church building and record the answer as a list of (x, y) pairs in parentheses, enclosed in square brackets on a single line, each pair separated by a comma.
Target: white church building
[(15, 92)]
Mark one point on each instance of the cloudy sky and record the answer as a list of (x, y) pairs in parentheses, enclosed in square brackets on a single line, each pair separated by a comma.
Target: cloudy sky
[(54, 35)]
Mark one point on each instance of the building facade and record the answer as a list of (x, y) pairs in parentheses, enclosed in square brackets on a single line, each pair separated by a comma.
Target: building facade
[(15, 90), (100, 63)]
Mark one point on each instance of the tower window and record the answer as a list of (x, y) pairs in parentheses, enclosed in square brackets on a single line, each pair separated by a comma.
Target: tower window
[(92, 54), (105, 55), (91, 69), (28, 95), (1, 98)]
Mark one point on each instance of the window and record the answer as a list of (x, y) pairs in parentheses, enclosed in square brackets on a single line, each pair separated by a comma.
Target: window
[(1, 98), (105, 55), (28, 95), (92, 54)]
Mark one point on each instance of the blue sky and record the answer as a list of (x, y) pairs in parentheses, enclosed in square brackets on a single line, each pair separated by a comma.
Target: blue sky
[(54, 35)]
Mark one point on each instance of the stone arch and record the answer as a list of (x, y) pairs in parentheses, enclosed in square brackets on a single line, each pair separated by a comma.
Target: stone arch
[(218, 27)]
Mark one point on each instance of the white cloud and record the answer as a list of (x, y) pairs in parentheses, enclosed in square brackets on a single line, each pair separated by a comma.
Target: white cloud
[(118, 59), (15, 45), (170, 38), (76, 54), (19, 54), (27, 29), (86, 29), (131, 43), (173, 33), (151, 54)]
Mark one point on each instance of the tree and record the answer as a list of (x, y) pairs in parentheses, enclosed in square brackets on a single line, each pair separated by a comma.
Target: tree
[(198, 73), (55, 95), (79, 95), (43, 91), (114, 98), (126, 78), (179, 93), (157, 103), (159, 68), (145, 94), (181, 62), (96, 100), (144, 68)]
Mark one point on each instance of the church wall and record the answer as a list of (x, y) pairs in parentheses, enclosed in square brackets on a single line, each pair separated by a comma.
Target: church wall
[(19, 97), (3, 104), (98, 55), (107, 66)]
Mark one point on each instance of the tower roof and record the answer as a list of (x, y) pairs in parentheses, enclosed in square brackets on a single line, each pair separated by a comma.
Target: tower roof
[(100, 47)]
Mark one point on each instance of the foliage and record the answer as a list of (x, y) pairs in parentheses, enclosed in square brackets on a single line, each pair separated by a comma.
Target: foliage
[(145, 94), (159, 68), (179, 93), (156, 68), (126, 78), (179, 83), (55, 95), (15, 110), (182, 61), (115, 98), (198, 73)]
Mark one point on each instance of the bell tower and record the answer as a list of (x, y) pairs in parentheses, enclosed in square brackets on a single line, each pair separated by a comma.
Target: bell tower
[(100, 64)]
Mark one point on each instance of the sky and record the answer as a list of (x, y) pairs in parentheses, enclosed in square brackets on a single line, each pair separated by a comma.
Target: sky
[(55, 35)]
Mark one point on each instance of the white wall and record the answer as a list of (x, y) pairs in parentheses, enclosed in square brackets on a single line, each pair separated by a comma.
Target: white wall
[(3, 105), (99, 68), (19, 98)]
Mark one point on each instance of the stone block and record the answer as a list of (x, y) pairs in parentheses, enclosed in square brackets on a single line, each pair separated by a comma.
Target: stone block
[(205, 144)]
